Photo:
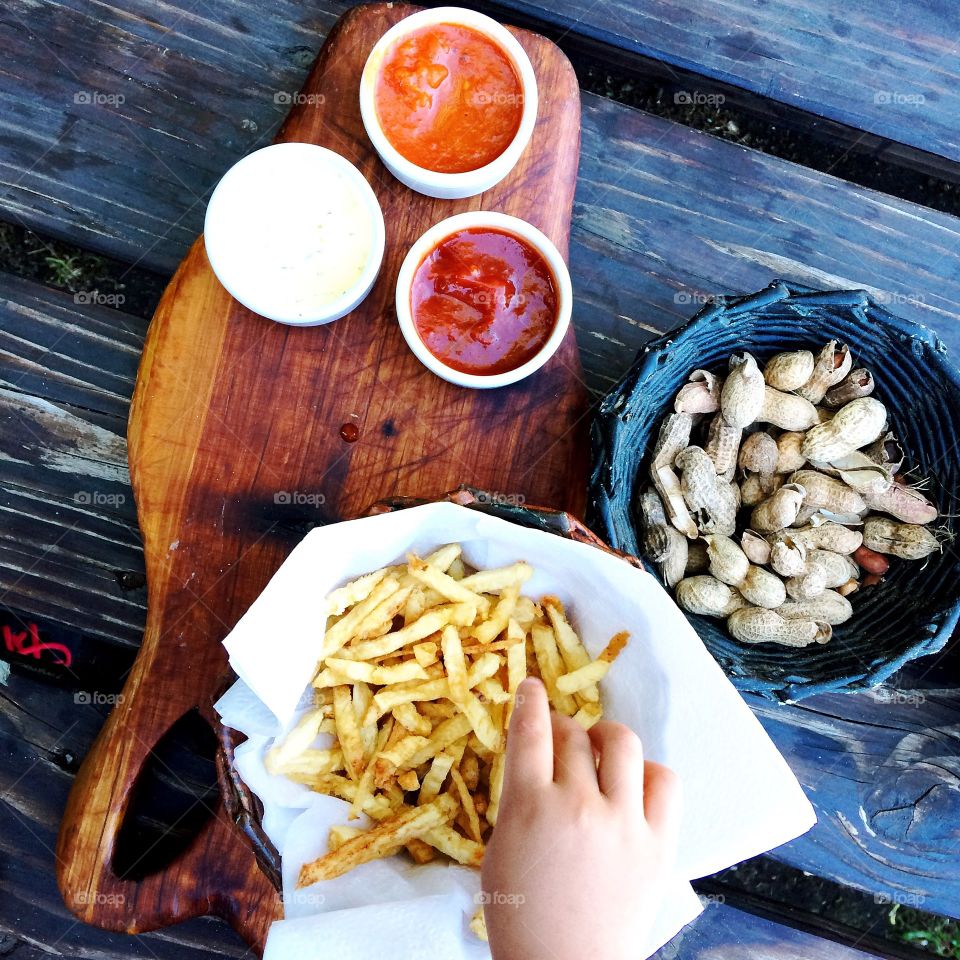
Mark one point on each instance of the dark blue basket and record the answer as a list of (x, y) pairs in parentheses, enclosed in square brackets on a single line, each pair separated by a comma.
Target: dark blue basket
[(915, 610)]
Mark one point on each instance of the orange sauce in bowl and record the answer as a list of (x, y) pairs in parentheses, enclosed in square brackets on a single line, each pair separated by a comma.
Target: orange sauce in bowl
[(484, 301), (448, 98)]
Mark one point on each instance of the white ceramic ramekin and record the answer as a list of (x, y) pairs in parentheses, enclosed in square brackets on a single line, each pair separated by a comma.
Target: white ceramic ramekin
[(495, 221), (449, 186), (264, 234)]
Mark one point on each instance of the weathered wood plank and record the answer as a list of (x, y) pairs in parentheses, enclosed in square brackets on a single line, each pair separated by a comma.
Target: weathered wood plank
[(666, 216), (187, 89), (43, 733), (68, 524), (883, 770), (723, 932), (876, 65), (68, 349)]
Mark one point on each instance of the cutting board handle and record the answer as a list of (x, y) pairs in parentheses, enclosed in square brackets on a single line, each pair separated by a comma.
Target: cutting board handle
[(93, 821)]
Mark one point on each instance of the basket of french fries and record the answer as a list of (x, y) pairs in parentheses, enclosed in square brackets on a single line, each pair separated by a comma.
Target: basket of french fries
[(382, 775)]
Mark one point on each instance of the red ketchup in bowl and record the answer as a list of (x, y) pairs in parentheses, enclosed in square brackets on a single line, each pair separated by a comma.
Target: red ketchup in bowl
[(484, 301)]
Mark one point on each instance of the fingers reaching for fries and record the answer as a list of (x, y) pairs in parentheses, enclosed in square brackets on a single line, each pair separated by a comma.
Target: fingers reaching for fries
[(570, 812), (418, 686)]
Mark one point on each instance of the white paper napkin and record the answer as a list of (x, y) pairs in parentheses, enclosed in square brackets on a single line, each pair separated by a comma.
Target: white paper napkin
[(740, 797)]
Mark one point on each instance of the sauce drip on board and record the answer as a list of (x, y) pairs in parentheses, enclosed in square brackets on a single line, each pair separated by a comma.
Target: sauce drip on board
[(484, 301), (448, 98)]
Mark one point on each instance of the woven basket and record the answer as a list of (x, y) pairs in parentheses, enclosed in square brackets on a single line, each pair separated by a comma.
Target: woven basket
[(914, 611)]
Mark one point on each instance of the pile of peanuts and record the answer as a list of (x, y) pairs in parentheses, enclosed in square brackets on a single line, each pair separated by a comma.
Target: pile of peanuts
[(792, 502)]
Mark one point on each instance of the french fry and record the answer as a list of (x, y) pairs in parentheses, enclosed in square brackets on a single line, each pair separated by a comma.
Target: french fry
[(455, 663), (361, 671), (383, 839), (408, 781), (309, 763), (407, 715), (433, 621), (596, 670), (470, 770), (551, 668), (300, 738), (339, 834), (348, 731), (588, 715), (480, 721), (445, 557), (420, 850), (352, 593), (493, 581), (572, 650), (490, 629), (443, 735), (445, 585), (338, 634), (455, 846), (433, 781), (478, 925), (466, 802), (425, 653)]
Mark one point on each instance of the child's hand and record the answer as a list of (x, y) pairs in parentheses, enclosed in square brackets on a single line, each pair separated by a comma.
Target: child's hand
[(584, 840)]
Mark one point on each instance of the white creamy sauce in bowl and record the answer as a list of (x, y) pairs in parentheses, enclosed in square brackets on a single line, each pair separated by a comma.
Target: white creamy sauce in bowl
[(295, 233)]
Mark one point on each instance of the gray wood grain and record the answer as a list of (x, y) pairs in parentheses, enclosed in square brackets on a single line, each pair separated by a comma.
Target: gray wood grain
[(882, 66)]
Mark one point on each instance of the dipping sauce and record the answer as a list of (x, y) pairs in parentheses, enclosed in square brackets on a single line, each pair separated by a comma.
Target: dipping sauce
[(448, 98), (293, 229), (484, 301)]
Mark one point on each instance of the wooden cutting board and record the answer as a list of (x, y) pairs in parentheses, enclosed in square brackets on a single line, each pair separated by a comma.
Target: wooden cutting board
[(236, 449)]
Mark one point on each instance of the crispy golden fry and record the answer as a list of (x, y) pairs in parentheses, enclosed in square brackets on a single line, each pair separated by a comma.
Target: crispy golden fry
[(571, 648), (596, 670), (407, 715), (466, 801), (425, 709), (551, 668), (490, 629), (588, 715), (309, 763), (439, 769), (358, 670), (338, 634), (470, 770), (426, 653), (455, 846), (498, 579), (480, 721), (445, 585), (348, 731), (387, 836), (445, 557), (455, 663), (353, 593), (479, 925), (338, 835), (300, 738), (408, 781), (420, 850), (433, 621)]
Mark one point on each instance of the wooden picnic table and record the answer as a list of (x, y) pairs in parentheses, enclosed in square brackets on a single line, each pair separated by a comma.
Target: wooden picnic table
[(117, 120)]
